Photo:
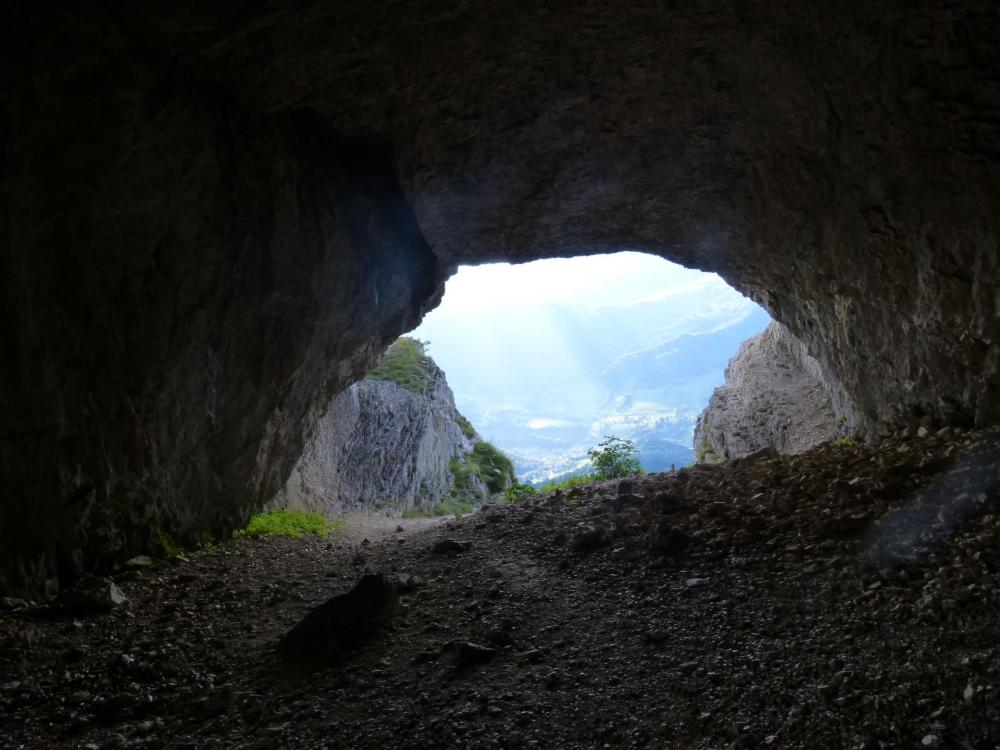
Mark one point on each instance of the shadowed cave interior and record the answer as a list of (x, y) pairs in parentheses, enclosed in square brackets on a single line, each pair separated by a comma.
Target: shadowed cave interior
[(216, 218)]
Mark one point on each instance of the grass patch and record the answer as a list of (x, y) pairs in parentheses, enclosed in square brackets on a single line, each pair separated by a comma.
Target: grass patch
[(286, 522), (405, 363), (846, 441)]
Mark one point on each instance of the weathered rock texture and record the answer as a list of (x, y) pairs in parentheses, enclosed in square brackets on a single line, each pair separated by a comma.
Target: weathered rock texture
[(214, 215), (380, 445), (773, 397)]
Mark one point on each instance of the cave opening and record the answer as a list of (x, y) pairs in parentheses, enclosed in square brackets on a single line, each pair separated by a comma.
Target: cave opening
[(547, 358), (216, 219)]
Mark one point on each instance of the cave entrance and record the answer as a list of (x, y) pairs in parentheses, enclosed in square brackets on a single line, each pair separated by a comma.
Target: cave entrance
[(548, 357)]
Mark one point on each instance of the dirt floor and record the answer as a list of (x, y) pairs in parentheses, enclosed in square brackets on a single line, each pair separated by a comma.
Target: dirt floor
[(844, 598)]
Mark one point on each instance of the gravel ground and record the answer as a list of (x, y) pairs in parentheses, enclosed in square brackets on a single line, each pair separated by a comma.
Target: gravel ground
[(843, 598)]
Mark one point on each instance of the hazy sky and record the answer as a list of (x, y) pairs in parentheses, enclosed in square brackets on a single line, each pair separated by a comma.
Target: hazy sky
[(593, 280)]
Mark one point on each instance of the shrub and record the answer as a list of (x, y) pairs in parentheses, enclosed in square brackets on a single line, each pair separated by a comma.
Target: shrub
[(405, 363), (705, 451), (286, 522), (517, 490), (614, 457)]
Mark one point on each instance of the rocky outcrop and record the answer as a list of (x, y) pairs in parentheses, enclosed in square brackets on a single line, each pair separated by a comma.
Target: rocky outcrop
[(382, 446), (774, 397), (214, 216)]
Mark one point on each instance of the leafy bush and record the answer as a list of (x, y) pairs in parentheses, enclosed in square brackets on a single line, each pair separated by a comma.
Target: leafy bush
[(517, 490), (614, 457), (405, 363), (486, 462), (285, 522)]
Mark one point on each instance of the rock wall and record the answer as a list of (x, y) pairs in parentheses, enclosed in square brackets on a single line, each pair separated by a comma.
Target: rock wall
[(182, 284), (773, 397), (214, 216), (379, 446)]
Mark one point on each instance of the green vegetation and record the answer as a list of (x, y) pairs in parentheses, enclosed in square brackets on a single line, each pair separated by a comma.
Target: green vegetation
[(168, 546), (517, 490), (568, 483), (705, 451), (614, 457), (447, 508), (846, 441), (486, 462), (285, 522), (466, 427), (205, 540), (405, 363)]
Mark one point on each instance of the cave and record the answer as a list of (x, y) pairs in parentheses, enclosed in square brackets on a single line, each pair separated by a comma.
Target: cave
[(215, 217)]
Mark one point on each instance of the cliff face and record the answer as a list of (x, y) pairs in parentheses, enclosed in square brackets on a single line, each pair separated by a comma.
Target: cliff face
[(774, 396), (381, 445)]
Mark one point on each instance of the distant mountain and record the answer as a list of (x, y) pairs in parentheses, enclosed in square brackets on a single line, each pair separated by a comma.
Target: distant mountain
[(545, 382)]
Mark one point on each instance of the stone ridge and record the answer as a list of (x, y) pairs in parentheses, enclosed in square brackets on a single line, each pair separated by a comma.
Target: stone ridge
[(773, 397), (381, 445)]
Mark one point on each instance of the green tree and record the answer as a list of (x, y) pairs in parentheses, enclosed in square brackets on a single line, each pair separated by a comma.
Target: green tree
[(614, 457)]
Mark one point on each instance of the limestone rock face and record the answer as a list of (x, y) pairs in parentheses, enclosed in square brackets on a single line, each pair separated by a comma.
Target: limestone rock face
[(215, 216), (380, 445), (773, 397)]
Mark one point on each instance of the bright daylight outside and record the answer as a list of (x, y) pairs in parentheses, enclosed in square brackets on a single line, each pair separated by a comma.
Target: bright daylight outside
[(548, 358)]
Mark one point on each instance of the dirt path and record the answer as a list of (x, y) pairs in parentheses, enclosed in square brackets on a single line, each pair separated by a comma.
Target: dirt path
[(356, 527), (779, 602)]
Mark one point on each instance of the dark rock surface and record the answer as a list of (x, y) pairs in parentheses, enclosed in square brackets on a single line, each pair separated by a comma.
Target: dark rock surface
[(380, 445), (333, 629), (215, 216), (184, 285), (773, 397), (783, 621)]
